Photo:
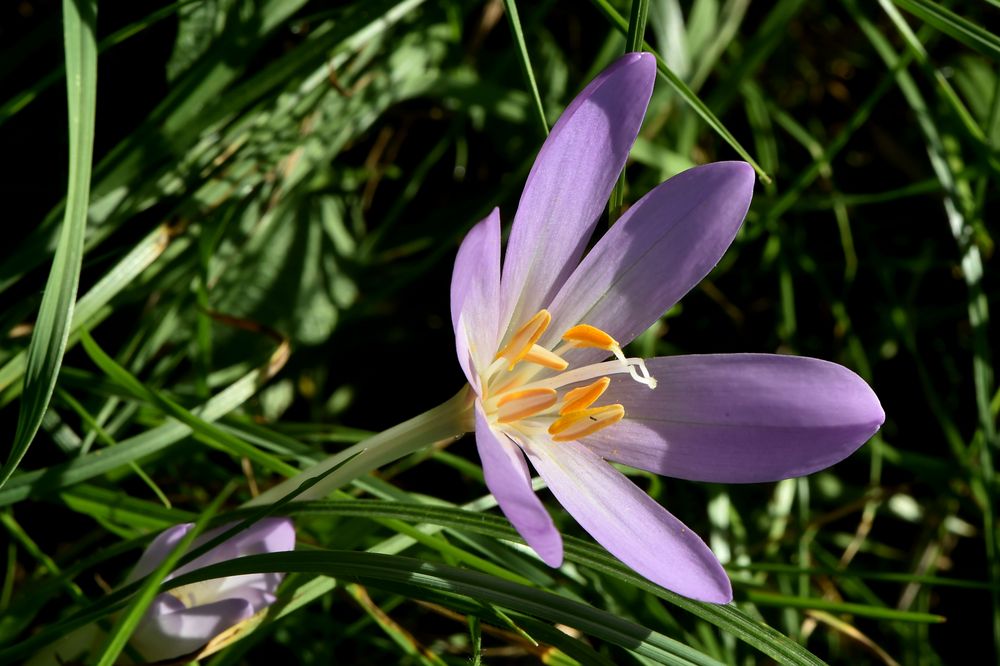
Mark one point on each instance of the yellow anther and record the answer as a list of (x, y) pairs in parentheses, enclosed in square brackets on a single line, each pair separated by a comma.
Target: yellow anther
[(542, 356), (584, 396), (583, 422), (525, 338), (585, 335), (519, 405)]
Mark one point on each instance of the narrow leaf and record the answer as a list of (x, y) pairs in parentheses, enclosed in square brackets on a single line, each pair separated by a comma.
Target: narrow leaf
[(510, 8), (955, 26), (684, 91), (48, 342)]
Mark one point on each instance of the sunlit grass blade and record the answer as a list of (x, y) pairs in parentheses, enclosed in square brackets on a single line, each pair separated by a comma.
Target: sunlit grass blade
[(206, 430), (944, 87), (682, 89), (103, 504), (510, 8), (728, 618), (633, 42), (860, 610), (48, 341), (92, 306), (954, 25), (376, 568), (63, 475)]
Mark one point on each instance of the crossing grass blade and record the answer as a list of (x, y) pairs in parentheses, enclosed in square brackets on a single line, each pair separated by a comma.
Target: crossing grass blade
[(682, 89), (202, 428), (48, 341), (92, 306), (375, 568), (633, 42), (729, 618), (56, 477), (954, 25), (510, 8)]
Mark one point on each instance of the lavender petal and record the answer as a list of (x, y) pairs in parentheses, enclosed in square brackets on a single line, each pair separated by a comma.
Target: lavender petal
[(475, 295), (157, 551), (569, 185), (662, 247), (268, 535), (508, 479), (166, 632), (739, 418), (631, 525)]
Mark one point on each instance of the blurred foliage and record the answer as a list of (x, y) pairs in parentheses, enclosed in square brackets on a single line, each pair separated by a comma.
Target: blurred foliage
[(279, 188)]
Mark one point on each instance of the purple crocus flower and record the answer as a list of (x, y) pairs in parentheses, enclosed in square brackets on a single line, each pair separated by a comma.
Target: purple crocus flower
[(533, 337), (187, 618)]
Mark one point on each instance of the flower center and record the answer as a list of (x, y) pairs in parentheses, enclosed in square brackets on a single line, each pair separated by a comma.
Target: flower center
[(197, 594), (522, 394), (212, 590)]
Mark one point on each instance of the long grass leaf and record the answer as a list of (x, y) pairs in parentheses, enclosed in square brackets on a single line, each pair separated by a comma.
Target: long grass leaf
[(202, 428), (57, 477), (682, 89), (633, 42), (510, 8), (375, 568), (728, 618), (48, 342), (91, 308), (955, 26)]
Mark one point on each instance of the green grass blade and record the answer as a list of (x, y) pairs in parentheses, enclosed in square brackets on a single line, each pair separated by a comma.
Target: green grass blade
[(945, 90), (48, 342), (684, 91), (114, 505), (207, 431), (91, 308), (510, 8), (728, 618), (633, 42), (955, 26), (55, 478), (636, 35), (17, 103), (375, 568), (839, 607)]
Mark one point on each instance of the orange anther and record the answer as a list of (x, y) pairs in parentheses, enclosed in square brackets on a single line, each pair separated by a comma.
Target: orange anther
[(584, 396), (583, 422), (542, 356), (585, 335), (518, 405), (522, 341)]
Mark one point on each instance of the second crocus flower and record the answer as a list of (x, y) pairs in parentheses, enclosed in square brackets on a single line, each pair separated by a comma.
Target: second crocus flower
[(185, 619)]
